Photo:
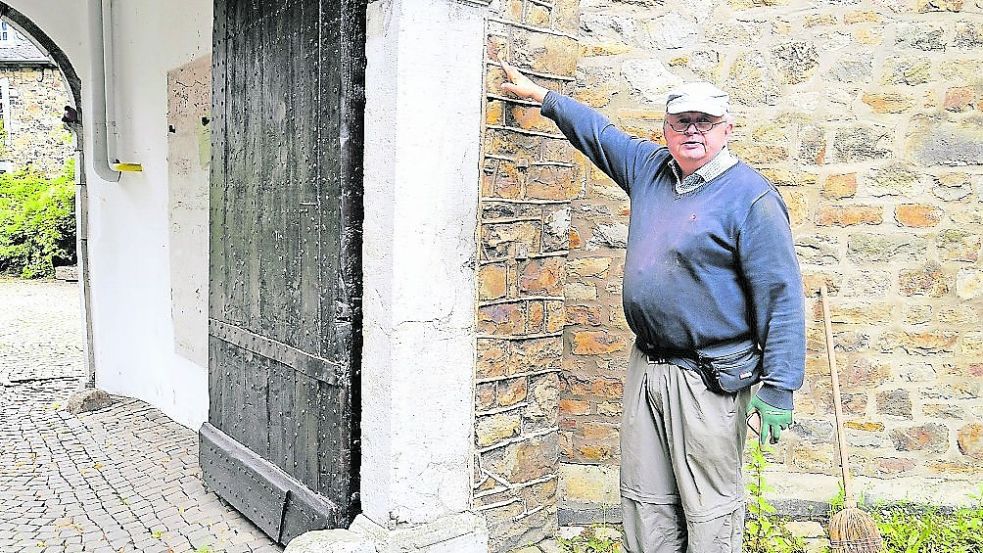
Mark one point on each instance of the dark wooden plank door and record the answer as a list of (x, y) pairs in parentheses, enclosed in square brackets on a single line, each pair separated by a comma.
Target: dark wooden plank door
[(281, 441)]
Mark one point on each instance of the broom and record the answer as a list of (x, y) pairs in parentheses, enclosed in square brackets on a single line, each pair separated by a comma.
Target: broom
[(850, 529)]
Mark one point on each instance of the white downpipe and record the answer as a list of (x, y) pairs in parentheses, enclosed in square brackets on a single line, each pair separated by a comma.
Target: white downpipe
[(104, 131)]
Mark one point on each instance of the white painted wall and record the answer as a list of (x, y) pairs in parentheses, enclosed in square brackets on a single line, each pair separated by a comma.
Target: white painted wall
[(129, 262), (419, 233)]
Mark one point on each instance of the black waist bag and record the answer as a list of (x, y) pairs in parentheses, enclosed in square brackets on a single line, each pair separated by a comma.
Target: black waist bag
[(724, 370), (732, 372)]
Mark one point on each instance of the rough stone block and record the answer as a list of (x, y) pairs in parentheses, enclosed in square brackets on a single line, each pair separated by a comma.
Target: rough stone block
[(907, 71), (611, 235), (852, 67), (552, 182), (920, 35), (545, 53), (959, 98), (330, 541), (952, 187), (594, 387), (889, 466), (894, 402), (840, 186), (495, 112), (504, 142), (650, 78), (88, 400), (796, 60), (959, 245), (869, 36), (969, 284), (529, 118), (925, 6), (926, 437), (544, 399), (538, 16), (928, 280), (587, 315), (590, 267), (511, 10), (493, 358), (517, 239), (918, 215), (504, 319), (894, 179), (485, 396), (780, 176), (543, 276), (862, 143), (671, 31), (759, 154), (566, 15), (920, 342), (817, 249), (555, 316), (512, 391), (491, 281), (865, 313), (524, 460), (849, 215), (865, 248), (970, 440), (932, 140), (556, 231), (590, 342), (536, 317), (968, 34), (751, 81), (887, 102), (955, 68), (861, 16), (574, 407), (495, 428)]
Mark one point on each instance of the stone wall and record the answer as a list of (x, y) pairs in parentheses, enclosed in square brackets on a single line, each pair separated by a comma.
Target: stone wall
[(528, 181), (36, 136), (867, 115)]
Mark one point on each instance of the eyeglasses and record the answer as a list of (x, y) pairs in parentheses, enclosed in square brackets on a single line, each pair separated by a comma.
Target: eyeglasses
[(702, 126)]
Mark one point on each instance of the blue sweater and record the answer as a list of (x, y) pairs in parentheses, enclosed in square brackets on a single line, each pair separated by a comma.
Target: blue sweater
[(713, 265)]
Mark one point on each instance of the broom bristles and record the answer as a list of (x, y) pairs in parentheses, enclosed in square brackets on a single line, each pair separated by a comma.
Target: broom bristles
[(853, 531)]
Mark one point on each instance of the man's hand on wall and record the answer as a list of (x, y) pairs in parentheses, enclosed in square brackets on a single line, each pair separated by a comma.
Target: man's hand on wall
[(520, 85)]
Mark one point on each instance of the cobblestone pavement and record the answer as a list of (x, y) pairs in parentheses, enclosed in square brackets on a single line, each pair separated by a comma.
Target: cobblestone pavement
[(121, 479)]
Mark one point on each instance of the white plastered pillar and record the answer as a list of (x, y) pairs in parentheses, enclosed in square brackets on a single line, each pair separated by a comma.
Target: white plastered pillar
[(424, 82)]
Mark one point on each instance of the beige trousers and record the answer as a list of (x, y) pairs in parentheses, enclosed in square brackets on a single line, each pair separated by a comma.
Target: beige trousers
[(681, 456)]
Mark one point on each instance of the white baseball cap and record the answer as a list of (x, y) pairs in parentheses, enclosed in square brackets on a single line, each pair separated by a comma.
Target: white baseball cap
[(703, 97)]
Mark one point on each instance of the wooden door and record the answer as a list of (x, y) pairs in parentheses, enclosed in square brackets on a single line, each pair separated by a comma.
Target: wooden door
[(281, 441)]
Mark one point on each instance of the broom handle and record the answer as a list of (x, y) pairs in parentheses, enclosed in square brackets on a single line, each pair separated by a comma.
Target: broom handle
[(848, 500)]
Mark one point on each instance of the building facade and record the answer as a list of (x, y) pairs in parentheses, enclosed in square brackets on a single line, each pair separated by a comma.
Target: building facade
[(33, 96)]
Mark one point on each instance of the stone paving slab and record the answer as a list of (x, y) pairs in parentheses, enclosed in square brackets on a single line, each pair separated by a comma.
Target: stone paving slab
[(121, 479)]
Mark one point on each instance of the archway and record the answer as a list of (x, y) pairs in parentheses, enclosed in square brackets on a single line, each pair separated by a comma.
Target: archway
[(73, 119)]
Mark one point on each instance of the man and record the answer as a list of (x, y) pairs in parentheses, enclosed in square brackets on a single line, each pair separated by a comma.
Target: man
[(713, 292)]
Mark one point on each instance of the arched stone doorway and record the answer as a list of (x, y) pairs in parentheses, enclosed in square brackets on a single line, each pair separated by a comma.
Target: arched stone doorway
[(73, 120)]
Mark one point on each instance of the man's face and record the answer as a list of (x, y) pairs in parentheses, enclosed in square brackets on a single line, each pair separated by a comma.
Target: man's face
[(691, 148)]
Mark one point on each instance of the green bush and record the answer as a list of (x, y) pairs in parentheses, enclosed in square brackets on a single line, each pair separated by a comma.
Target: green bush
[(37, 222), (914, 529)]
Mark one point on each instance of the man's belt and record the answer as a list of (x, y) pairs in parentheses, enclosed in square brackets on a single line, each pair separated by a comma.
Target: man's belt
[(725, 368)]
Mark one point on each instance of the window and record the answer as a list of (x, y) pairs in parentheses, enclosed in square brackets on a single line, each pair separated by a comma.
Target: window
[(5, 32)]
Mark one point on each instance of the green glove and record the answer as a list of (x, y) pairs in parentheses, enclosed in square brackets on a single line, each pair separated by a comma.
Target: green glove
[(773, 420)]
